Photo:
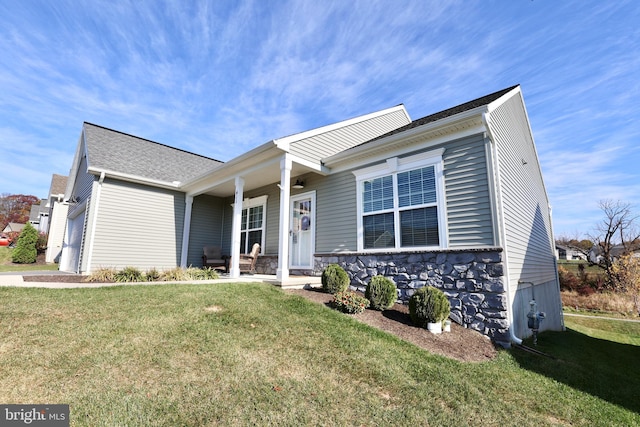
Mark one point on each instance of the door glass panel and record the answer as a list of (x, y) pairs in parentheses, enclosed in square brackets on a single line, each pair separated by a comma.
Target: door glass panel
[(301, 233)]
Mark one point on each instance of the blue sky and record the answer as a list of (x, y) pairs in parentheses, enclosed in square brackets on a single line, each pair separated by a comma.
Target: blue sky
[(220, 77)]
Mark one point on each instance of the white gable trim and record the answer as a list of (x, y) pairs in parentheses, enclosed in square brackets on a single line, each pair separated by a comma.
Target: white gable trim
[(284, 143)]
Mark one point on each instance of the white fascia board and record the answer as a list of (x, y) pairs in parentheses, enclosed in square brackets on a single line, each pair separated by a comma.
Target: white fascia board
[(498, 102), (215, 178), (285, 143), (358, 152), (318, 167), (175, 185), (243, 161), (73, 172)]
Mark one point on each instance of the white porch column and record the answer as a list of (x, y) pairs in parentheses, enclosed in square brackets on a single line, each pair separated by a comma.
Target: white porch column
[(282, 274), (234, 268), (186, 229)]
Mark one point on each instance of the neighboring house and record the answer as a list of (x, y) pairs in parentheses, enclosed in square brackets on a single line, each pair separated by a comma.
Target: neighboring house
[(570, 253), (57, 209), (13, 227), (595, 254), (454, 200), (39, 216)]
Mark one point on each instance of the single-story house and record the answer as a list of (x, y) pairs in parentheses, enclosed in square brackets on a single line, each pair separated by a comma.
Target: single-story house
[(454, 200), (569, 252)]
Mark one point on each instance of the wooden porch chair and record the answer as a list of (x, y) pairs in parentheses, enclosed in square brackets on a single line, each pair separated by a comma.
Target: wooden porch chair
[(212, 257), (248, 262)]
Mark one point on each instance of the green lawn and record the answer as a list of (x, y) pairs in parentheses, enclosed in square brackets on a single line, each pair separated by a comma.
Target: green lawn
[(248, 354), (6, 263)]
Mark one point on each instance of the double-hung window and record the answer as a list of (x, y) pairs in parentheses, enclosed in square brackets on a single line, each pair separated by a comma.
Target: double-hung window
[(252, 223), (400, 204)]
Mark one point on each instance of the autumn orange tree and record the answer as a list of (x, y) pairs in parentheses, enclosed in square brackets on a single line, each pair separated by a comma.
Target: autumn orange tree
[(15, 208)]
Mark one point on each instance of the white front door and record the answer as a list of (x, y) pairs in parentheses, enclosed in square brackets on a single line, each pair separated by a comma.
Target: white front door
[(302, 233)]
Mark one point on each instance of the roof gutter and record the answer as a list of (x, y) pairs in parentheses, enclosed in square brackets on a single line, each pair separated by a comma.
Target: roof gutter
[(134, 178)]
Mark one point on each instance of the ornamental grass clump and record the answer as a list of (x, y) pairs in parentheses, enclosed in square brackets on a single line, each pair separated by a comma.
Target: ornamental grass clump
[(334, 279), (129, 274), (349, 302), (381, 293), (428, 305)]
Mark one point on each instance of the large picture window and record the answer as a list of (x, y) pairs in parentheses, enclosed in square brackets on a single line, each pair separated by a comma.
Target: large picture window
[(398, 204)]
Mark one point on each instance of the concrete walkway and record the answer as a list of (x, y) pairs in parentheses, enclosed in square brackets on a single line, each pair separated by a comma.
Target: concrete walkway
[(16, 279)]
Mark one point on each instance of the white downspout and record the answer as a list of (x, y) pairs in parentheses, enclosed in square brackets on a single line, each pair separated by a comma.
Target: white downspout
[(501, 234), (186, 229)]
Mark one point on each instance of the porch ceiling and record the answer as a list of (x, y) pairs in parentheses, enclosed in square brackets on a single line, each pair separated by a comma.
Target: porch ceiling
[(265, 173)]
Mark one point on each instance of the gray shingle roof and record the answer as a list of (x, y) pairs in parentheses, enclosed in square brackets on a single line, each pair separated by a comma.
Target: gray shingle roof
[(119, 152), (479, 102), (58, 184)]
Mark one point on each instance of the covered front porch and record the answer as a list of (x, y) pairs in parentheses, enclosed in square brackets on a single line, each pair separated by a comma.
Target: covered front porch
[(260, 199)]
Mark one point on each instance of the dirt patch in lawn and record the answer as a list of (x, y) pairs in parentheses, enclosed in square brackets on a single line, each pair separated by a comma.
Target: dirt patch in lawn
[(461, 344)]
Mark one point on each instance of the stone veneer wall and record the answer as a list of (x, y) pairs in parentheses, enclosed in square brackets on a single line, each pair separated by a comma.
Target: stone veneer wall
[(472, 280)]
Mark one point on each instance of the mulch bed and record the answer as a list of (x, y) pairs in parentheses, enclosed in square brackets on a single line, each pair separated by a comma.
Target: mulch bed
[(461, 344)]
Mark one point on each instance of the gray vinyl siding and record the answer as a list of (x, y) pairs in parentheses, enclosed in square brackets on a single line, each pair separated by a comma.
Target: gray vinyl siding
[(207, 219), (525, 206), (329, 143), (336, 214), (467, 193), (547, 297), (80, 212), (137, 226), (84, 182)]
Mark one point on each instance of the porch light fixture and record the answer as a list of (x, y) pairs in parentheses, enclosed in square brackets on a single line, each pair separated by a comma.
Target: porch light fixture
[(298, 185)]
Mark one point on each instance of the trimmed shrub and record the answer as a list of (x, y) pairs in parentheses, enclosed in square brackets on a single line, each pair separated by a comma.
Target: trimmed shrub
[(381, 293), (334, 279), (25, 251), (428, 305), (349, 302)]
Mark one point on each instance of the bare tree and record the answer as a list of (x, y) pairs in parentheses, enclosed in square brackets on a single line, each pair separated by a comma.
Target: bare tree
[(616, 235)]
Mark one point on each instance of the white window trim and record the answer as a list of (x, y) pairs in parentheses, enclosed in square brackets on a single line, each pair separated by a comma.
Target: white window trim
[(252, 203), (392, 167)]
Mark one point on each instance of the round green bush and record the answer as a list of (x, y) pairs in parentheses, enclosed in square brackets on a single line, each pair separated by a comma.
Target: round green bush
[(428, 305), (381, 293), (25, 251), (334, 279)]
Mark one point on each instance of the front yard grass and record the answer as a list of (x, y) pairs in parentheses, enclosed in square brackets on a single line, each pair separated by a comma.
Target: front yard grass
[(6, 263), (249, 354)]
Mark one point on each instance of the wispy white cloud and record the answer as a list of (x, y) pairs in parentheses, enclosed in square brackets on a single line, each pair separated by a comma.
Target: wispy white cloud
[(219, 78)]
